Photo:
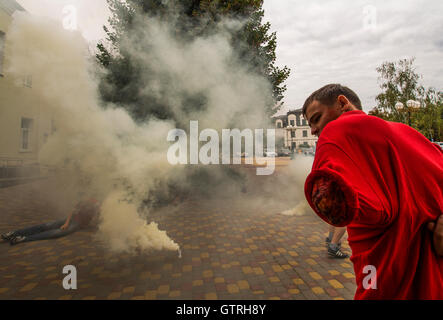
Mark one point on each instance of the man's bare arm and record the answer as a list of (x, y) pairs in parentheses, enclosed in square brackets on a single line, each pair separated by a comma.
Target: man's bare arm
[(68, 220)]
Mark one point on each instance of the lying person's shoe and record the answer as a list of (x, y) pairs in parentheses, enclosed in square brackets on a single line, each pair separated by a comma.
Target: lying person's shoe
[(17, 240), (8, 236), (337, 254)]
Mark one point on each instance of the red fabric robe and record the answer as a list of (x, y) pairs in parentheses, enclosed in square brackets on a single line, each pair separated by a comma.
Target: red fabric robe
[(384, 182)]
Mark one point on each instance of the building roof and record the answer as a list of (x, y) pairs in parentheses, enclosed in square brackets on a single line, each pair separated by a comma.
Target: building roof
[(10, 6), (281, 116), (297, 111)]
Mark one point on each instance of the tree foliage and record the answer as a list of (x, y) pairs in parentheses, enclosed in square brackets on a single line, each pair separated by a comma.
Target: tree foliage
[(126, 79), (400, 82), (254, 45), (429, 120)]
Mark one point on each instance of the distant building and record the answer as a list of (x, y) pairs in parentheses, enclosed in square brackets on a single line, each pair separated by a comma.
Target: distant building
[(294, 130), (23, 128)]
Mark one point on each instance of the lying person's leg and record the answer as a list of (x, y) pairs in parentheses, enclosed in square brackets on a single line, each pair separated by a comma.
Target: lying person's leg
[(33, 230), (45, 235)]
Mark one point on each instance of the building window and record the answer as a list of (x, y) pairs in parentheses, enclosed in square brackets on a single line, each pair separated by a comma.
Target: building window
[(292, 134), (26, 128), (292, 123), (2, 51), (278, 124), (305, 133), (304, 123)]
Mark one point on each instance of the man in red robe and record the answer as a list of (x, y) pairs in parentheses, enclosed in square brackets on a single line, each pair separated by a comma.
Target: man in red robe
[(383, 181)]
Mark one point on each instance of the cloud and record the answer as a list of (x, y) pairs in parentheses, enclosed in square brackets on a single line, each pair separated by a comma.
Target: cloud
[(322, 41), (326, 41)]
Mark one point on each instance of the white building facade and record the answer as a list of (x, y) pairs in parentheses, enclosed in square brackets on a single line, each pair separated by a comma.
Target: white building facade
[(295, 130), (23, 127)]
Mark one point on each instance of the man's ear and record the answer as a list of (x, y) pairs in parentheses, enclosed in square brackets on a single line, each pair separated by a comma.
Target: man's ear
[(344, 104)]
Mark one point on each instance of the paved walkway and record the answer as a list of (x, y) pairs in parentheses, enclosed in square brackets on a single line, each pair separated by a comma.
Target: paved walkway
[(239, 254)]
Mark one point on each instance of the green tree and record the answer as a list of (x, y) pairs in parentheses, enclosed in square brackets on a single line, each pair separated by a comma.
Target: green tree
[(430, 118), (399, 82), (254, 44), (125, 78)]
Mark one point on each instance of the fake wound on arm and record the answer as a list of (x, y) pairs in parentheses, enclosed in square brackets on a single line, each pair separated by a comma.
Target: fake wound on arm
[(339, 192)]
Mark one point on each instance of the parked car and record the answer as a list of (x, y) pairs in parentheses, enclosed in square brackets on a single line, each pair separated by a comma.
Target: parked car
[(270, 153), (308, 151), (284, 152)]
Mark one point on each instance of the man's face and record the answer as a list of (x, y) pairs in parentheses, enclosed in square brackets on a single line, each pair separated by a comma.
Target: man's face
[(319, 115)]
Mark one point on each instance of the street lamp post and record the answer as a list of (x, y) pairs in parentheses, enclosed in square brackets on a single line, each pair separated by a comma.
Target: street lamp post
[(411, 106)]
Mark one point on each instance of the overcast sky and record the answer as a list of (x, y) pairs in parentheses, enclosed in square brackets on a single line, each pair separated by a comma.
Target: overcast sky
[(323, 41)]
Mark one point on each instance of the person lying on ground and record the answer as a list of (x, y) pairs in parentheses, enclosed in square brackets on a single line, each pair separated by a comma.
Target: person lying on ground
[(83, 214)]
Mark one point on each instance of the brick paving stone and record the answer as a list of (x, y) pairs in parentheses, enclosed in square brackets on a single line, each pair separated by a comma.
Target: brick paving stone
[(226, 254)]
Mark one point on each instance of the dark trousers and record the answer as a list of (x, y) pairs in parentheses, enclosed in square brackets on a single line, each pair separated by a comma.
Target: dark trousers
[(50, 230)]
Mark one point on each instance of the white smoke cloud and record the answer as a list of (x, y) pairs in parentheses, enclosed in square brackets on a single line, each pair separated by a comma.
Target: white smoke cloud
[(103, 151), (206, 66), (125, 231), (299, 170), (103, 148)]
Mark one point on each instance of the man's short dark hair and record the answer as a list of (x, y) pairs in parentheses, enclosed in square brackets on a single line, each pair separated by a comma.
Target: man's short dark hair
[(329, 94)]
